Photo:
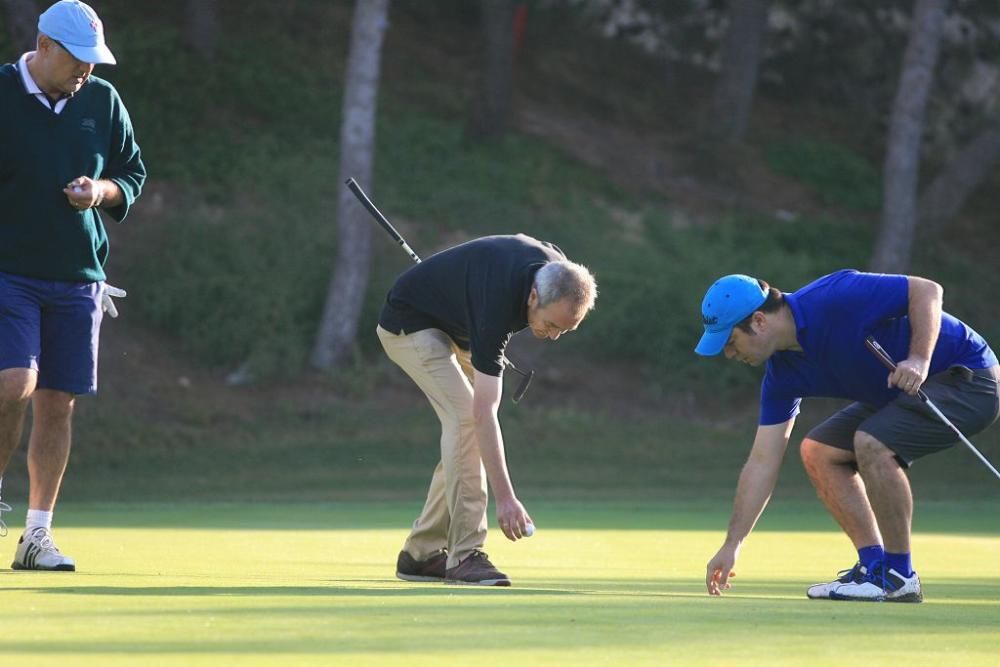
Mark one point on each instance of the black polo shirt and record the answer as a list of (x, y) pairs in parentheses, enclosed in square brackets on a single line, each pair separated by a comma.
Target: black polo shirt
[(476, 292)]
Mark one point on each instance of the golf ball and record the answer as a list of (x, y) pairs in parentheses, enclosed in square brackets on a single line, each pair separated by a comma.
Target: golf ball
[(529, 529)]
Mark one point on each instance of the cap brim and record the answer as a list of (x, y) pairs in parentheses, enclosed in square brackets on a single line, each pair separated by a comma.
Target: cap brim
[(712, 342), (94, 55)]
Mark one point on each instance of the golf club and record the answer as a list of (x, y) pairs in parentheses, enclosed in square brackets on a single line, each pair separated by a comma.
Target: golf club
[(379, 218), (352, 185), (887, 361)]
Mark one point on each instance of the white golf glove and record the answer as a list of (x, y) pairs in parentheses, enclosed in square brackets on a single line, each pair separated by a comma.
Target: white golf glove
[(107, 305)]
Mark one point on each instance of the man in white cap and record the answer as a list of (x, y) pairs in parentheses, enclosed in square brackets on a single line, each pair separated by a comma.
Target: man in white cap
[(67, 150)]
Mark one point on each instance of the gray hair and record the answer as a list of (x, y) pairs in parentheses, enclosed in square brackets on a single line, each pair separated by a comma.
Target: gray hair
[(565, 280)]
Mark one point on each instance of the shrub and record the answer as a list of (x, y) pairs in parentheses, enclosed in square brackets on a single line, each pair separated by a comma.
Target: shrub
[(839, 176)]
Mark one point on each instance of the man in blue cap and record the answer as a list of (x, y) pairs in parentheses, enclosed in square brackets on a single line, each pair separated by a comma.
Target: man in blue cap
[(812, 343), (67, 150)]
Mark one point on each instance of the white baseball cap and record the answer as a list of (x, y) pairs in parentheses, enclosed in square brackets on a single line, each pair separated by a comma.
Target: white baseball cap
[(77, 28)]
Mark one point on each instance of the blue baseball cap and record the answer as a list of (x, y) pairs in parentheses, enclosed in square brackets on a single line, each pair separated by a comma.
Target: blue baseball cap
[(76, 27), (729, 301)]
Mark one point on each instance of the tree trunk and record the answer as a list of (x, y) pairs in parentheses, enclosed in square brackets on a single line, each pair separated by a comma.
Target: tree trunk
[(492, 107), (963, 174), (741, 54), (902, 161), (339, 324), (22, 25), (202, 27)]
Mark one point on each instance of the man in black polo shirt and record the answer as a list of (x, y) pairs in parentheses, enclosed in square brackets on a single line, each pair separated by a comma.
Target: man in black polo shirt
[(446, 323)]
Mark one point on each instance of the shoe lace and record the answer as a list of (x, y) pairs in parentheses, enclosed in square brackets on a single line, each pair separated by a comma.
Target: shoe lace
[(850, 574), (4, 507), (43, 538), (877, 575), (480, 556)]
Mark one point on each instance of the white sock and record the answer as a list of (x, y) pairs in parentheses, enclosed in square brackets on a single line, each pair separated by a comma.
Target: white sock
[(37, 519)]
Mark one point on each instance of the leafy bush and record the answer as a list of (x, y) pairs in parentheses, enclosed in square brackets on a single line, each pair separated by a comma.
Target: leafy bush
[(248, 281), (250, 285), (651, 296), (839, 176)]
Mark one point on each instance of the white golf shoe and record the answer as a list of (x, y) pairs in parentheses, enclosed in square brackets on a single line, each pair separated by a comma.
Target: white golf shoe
[(882, 584), (37, 551), (822, 591)]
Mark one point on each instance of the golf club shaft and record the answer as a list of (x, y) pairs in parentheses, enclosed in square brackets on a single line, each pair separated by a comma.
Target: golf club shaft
[(961, 437), (887, 361), (379, 218)]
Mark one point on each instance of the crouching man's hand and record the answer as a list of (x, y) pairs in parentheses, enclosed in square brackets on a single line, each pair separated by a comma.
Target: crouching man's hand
[(720, 569)]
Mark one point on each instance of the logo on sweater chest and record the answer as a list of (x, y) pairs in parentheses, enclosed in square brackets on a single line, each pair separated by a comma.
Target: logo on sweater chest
[(88, 125)]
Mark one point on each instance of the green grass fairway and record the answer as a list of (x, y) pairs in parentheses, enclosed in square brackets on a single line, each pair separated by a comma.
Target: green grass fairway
[(618, 584)]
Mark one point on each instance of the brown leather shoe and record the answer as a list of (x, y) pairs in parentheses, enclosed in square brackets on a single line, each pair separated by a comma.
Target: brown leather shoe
[(409, 568), (476, 570)]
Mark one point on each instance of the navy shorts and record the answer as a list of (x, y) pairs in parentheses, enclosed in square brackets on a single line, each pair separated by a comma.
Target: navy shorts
[(53, 328), (968, 398)]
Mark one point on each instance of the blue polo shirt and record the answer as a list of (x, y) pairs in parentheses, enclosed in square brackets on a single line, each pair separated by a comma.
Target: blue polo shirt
[(833, 315)]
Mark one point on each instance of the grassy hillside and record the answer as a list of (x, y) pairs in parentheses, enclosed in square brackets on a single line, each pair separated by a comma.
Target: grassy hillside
[(228, 254), (242, 151)]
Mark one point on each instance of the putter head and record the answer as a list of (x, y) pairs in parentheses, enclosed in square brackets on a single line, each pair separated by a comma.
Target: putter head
[(523, 387), (525, 380)]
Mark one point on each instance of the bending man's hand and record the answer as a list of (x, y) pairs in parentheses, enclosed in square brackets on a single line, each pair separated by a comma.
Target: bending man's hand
[(512, 518), (107, 305), (720, 569)]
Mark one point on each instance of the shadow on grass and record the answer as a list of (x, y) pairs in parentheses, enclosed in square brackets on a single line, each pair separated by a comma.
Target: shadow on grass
[(949, 591), (956, 517), (359, 589), (362, 616)]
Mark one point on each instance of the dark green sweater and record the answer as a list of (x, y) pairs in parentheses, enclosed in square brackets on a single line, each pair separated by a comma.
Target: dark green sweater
[(41, 235)]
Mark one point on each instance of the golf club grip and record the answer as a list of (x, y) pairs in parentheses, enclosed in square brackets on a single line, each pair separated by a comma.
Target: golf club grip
[(353, 186), (886, 360), (377, 214), (880, 353)]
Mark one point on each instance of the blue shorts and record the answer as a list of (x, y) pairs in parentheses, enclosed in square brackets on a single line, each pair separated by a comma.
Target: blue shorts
[(53, 328)]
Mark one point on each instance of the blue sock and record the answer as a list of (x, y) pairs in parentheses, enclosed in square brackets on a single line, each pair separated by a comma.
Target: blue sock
[(900, 563), (869, 555)]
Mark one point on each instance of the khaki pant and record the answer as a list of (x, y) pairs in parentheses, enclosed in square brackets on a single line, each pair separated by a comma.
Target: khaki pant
[(454, 515)]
